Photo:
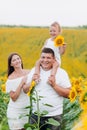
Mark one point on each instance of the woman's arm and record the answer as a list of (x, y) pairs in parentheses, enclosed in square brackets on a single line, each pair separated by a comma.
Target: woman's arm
[(15, 94), (26, 87)]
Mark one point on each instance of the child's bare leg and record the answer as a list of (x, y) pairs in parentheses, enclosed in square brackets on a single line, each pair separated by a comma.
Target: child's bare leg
[(37, 67), (54, 69), (37, 71)]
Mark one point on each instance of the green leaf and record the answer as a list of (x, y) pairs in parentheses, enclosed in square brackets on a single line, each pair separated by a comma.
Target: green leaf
[(41, 96), (48, 105), (29, 128), (27, 107), (27, 125), (48, 129), (34, 99), (44, 113), (53, 122)]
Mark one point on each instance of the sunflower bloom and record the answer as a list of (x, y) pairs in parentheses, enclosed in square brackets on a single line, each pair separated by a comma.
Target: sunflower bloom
[(85, 83), (33, 83), (78, 88), (59, 41), (73, 94), (3, 87)]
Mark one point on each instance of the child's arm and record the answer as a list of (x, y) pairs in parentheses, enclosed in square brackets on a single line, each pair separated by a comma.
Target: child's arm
[(62, 49)]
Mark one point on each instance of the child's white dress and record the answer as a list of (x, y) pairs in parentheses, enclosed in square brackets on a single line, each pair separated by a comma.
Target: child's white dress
[(16, 111), (50, 44)]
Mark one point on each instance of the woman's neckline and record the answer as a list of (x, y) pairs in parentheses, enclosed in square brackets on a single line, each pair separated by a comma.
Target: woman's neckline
[(15, 78)]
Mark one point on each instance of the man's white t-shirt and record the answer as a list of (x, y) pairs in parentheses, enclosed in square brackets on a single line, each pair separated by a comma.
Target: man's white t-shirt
[(50, 100)]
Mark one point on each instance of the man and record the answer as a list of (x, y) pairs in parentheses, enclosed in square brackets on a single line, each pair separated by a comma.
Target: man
[(50, 89)]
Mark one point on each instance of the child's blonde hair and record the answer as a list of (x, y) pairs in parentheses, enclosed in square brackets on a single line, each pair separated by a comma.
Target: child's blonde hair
[(56, 24)]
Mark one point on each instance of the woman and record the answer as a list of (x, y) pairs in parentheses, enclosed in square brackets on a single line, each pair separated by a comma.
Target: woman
[(19, 100)]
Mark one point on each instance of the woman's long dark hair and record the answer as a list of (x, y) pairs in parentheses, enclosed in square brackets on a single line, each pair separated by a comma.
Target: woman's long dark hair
[(11, 68)]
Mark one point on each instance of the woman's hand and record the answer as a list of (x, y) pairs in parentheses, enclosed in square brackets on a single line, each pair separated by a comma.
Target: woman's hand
[(26, 87), (23, 81)]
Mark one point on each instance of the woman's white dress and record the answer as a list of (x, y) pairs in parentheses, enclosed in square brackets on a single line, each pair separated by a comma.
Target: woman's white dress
[(16, 111)]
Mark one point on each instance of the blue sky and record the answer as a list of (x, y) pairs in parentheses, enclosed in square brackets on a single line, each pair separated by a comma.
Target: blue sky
[(43, 12)]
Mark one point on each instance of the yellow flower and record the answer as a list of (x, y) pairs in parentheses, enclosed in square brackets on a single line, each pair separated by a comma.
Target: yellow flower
[(78, 88), (3, 87), (33, 83), (3, 78), (85, 83), (77, 84), (84, 97), (76, 81), (59, 41), (73, 94)]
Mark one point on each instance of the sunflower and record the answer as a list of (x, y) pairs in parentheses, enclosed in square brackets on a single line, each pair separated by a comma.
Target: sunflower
[(59, 41), (33, 83), (73, 94), (3, 87)]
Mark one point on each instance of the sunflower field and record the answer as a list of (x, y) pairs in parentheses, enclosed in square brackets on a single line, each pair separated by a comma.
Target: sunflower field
[(28, 43)]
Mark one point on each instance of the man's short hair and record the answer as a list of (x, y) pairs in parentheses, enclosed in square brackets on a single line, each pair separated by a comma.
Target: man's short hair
[(48, 50)]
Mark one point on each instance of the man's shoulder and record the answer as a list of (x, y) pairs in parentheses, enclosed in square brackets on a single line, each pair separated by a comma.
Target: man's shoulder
[(61, 70), (32, 70)]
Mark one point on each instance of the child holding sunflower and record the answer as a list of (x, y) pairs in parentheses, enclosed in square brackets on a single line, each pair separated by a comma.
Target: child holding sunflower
[(56, 43)]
